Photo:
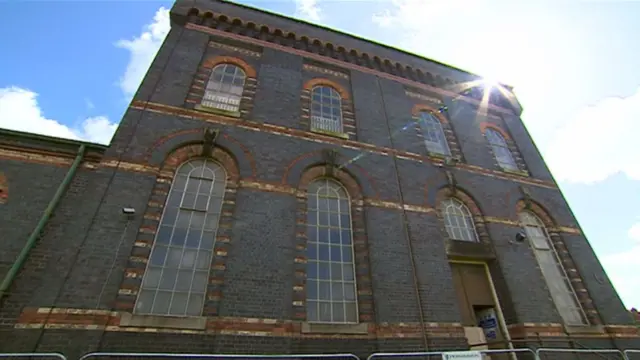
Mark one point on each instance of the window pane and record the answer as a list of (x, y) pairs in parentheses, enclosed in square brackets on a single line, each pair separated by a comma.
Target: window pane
[(161, 303), (174, 258), (158, 255), (312, 251), (337, 293), (324, 312), (193, 238), (168, 279), (352, 313), (179, 236), (324, 271), (145, 301), (336, 254), (184, 280), (324, 290), (338, 312), (152, 277), (195, 305), (312, 270), (200, 280), (178, 303), (349, 291), (312, 311), (312, 289), (204, 259)]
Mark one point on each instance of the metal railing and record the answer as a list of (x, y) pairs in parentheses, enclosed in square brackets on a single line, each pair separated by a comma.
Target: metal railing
[(216, 356), (441, 353), (32, 355), (627, 354), (540, 351)]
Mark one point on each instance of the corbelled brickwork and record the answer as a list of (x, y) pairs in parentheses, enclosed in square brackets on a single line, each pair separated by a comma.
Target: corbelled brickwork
[(78, 288)]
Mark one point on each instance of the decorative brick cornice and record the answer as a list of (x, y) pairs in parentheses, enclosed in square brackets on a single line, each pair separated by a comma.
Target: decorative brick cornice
[(429, 99), (344, 64)]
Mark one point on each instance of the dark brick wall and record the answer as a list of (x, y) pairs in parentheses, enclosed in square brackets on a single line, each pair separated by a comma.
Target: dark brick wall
[(31, 188), (259, 276), (280, 81), (80, 259)]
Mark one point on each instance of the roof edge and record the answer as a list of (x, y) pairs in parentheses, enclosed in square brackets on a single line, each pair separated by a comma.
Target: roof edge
[(51, 139), (357, 37)]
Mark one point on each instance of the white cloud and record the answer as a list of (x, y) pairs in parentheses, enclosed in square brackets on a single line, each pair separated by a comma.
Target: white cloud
[(143, 49), (600, 141), (308, 9), (19, 110), (623, 269)]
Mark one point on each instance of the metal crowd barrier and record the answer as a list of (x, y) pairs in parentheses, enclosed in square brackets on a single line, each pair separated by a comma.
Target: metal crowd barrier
[(217, 356), (32, 355), (627, 354), (456, 354), (579, 351)]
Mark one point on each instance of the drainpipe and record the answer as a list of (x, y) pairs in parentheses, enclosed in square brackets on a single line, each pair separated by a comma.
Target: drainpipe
[(35, 234)]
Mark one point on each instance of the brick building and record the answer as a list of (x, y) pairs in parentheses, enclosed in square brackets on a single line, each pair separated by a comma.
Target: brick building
[(278, 187)]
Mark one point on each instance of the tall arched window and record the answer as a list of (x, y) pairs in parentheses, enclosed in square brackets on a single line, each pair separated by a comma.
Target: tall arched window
[(458, 221), (326, 109), (224, 88), (331, 286), (175, 281), (433, 134), (500, 149), (562, 292)]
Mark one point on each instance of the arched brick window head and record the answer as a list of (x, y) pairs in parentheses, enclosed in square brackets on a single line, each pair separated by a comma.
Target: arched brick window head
[(433, 134), (331, 285), (458, 221), (326, 109), (500, 149), (224, 88), (562, 292), (175, 281)]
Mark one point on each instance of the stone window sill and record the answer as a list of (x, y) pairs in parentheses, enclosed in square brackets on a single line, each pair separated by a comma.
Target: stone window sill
[(331, 133), (156, 321), (316, 328), (235, 114), (585, 329), (516, 172)]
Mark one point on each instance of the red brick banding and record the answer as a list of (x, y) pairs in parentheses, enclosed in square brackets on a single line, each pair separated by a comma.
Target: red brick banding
[(212, 62), (309, 85)]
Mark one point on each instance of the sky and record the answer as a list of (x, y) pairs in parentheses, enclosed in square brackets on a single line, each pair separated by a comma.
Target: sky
[(70, 68)]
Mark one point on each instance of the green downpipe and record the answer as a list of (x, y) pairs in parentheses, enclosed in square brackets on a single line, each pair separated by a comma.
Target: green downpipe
[(33, 238)]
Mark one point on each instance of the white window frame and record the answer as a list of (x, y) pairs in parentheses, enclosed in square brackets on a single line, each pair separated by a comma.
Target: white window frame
[(192, 210), (500, 149), (341, 248), (454, 209), (431, 125), (562, 292), (224, 88), (324, 103)]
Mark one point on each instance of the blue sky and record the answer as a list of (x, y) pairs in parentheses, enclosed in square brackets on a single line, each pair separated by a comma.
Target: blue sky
[(71, 69)]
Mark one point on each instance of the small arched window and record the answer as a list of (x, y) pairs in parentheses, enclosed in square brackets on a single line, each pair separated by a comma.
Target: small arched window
[(433, 134), (501, 150), (562, 291), (326, 109), (331, 285), (224, 88), (458, 221), (175, 281)]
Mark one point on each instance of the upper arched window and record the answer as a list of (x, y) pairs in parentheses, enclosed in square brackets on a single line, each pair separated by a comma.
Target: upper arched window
[(500, 149), (224, 88), (331, 286), (433, 134), (562, 291), (326, 109), (175, 281), (458, 221)]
